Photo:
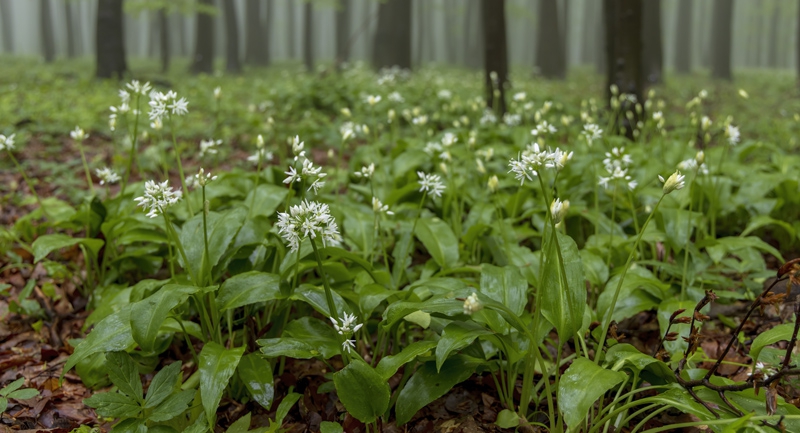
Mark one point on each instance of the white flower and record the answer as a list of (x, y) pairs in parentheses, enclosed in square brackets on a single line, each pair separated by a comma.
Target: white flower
[(162, 104), (366, 172), (297, 145), (449, 139), (732, 132), (106, 175), (136, 87), (379, 207), (372, 100), (348, 345), (200, 179), (157, 197), (348, 324), (261, 155), (444, 94), (308, 219), (512, 119), (743, 94), (209, 147), (6, 143), (420, 120), (430, 183), (156, 124), (592, 132), (558, 210), (78, 134), (543, 128), (674, 182), (520, 96), (433, 147), (472, 304), (217, 92), (493, 183), (488, 117), (522, 170), (396, 97)]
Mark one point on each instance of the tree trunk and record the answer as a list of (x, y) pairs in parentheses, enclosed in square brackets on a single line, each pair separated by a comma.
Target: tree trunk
[(292, 29), (774, 43), (257, 43), (308, 36), (72, 38), (164, 33), (392, 46), (46, 23), (420, 51), (683, 40), (549, 43), (473, 31), (447, 25), (8, 31), (343, 32), (721, 28), (109, 41), (653, 53), (495, 53), (233, 63), (623, 19), (203, 62)]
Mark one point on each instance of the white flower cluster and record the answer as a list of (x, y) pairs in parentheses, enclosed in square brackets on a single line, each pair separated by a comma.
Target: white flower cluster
[(165, 104), (591, 132), (543, 128), (106, 175), (488, 117), (124, 107), (200, 179), (696, 163), (616, 164), (379, 207), (349, 130), (157, 197), (733, 135), (472, 304), (308, 219), (512, 119), (533, 159), (209, 147), (444, 94), (6, 143), (674, 182), (430, 183), (347, 327), (366, 172), (308, 171), (396, 97), (78, 134), (262, 154)]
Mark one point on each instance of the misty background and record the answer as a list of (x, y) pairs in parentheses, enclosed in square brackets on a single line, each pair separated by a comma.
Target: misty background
[(764, 31)]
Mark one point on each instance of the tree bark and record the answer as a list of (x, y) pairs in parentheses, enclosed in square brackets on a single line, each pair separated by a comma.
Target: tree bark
[(392, 42), (473, 30), (164, 34), (109, 40), (233, 63), (623, 19), (291, 28), (257, 42), (653, 51), (8, 31), (203, 62), (343, 32), (683, 40), (495, 53), (72, 37), (549, 42), (46, 26), (774, 43), (308, 36), (721, 28)]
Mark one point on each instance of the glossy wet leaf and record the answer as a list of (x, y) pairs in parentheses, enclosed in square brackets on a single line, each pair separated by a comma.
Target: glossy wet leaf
[(217, 365), (150, 313), (255, 373), (439, 241), (46, 244), (110, 334), (248, 288), (457, 335), (563, 298), (575, 397), (362, 391)]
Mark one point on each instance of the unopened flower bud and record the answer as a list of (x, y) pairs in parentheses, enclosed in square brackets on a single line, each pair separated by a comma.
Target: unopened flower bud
[(558, 210), (674, 182), (472, 304), (493, 183), (700, 157)]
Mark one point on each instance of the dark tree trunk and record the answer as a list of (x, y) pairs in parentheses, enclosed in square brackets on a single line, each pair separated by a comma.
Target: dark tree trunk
[(683, 41), (343, 32), (420, 51), (774, 43), (549, 44), (473, 30), (721, 28), (72, 37), (292, 29), (8, 31), (180, 24), (164, 39), (109, 41), (46, 23), (392, 46), (233, 63), (203, 62), (153, 33), (653, 52), (623, 19), (495, 53), (257, 43), (308, 36)]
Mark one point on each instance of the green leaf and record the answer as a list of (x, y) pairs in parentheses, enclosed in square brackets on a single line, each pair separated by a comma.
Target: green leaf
[(624, 355), (315, 296), (112, 333), (131, 425), (123, 373), (268, 198), (640, 291), (3, 404), (388, 366), (162, 385), (397, 311), (44, 245), (23, 394), (457, 335), (774, 335), (439, 240), (174, 405), (507, 419), (248, 288), (13, 386), (289, 347), (678, 225), (563, 306), (426, 385), (362, 391), (575, 398), (113, 405), (285, 405), (217, 365), (723, 246), (316, 333), (505, 285), (222, 229), (330, 427), (241, 425), (149, 314), (256, 375)]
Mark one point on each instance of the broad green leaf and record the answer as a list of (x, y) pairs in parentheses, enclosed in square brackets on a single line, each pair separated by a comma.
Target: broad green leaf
[(396, 311), (248, 288), (774, 335), (507, 419), (123, 373), (149, 314), (23, 394), (217, 365), (360, 230), (267, 199), (112, 333), (289, 347), (330, 427), (315, 296), (594, 268), (575, 398), (760, 221), (388, 366), (402, 248), (162, 385), (46, 244), (370, 296), (13, 386), (316, 333), (457, 335), (678, 225), (174, 405), (439, 240), (113, 405), (505, 285), (426, 385), (256, 375), (640, 291), (131, 425), (362, 391), (727, 245), (624, 355), (420, 318), (222, 229), (562, 305)]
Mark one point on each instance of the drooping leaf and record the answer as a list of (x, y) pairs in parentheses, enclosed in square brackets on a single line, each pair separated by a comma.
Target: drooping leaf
[(149, 314), (123, 373), (315, 296), (362, 391), (563, 305), (575, 398), (46, 244), (439, 240), (248, 288), (388, 366), (289, 347), (774, 335), (256, 374), (315, 333), (426, 385), (457, 335), (217, 365), (162, 385), (113, 405), (112, 333), (505, 285)]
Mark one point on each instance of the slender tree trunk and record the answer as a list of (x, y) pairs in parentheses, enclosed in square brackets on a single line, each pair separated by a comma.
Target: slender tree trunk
[(153, 33), (8, 30), (473, 30), (203, 62), (392, 46), (600, 43), (420, 51), (495, 54), (72, 50), (164, 33), (343, 32), (109, 41), (308, 36), (257, 48), (683, 39), (774, 43), (565, 34), (292, 29), (549, 44), (624, 54), (447, 25), (46, 23), (180, 25), (721, 29), (233, 62), (653, 67), (797, 45)]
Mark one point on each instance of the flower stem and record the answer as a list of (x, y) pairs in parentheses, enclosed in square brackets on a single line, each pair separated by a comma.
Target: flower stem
[(328, 291), (180, 167), (134, 138)]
